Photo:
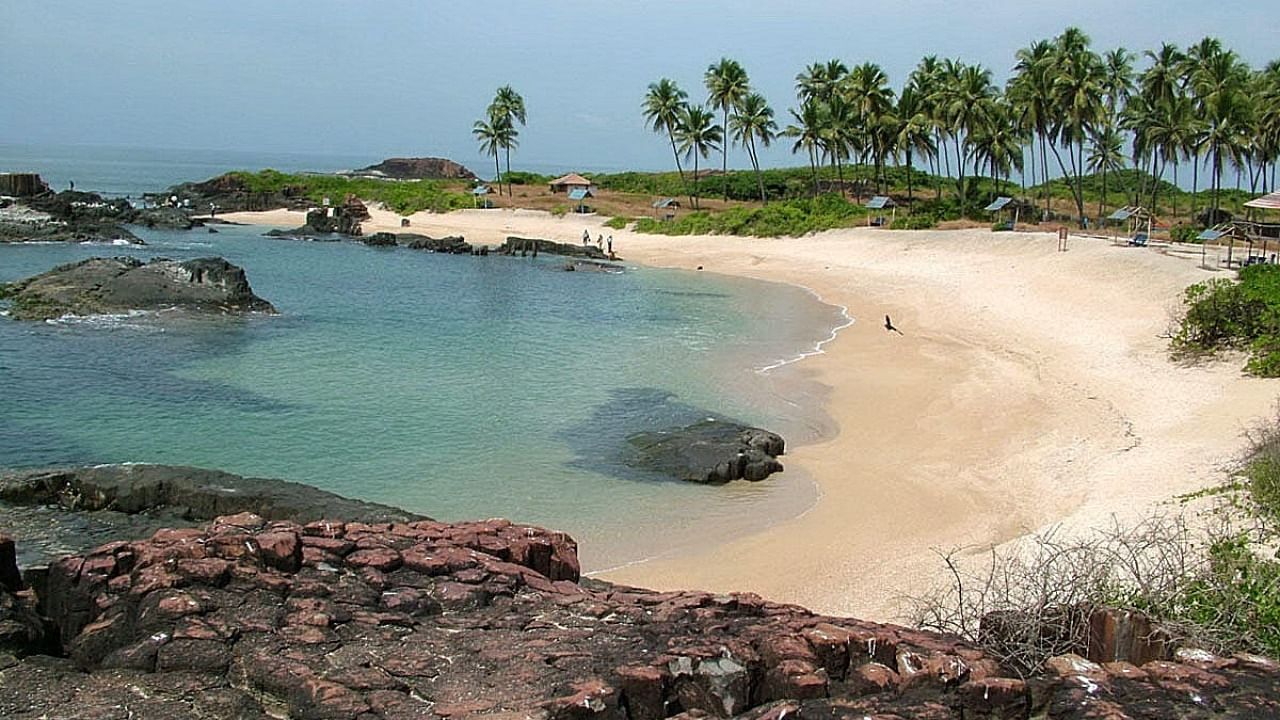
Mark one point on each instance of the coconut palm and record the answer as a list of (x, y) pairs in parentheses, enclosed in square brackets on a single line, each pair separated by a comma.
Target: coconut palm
[(509, 104), (1219, 81), (495, 133), (1105, 154), (1078, 89), (1030, 92), (914, 131), (866, 89), (996, 143), (727, 86), (807, 130), (924, 80), (698, 134), (663, 105), (752, 121), (820, 80), (967, 102)]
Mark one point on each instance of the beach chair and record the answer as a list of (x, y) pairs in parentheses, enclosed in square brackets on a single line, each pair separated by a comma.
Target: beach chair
[(1138, 240)]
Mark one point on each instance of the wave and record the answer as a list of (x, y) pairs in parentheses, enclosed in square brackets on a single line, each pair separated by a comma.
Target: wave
[(118, 242), (122, 320), (818, 348)]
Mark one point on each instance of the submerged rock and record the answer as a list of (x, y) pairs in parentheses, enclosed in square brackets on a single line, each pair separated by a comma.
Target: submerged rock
[(710, 451), (112, 285), (64, 510), (68, 216)]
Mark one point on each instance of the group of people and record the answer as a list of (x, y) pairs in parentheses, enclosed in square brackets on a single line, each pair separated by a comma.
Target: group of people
[(601, 241)]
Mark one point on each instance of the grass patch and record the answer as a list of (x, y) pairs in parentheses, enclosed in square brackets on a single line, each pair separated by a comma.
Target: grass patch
[(617, 223)]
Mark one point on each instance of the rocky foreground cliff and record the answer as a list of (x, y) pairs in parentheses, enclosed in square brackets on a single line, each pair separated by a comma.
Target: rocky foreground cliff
[(247, 618)]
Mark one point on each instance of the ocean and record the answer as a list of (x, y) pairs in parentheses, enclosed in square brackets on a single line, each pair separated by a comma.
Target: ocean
[(457, 387)]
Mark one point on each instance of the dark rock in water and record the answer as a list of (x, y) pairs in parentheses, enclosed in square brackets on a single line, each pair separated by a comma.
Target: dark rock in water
[(451, 244), (418, 169), (212, 231), (68, 216), (112, 285), (518, 245), (10, 578), (336, 619), (232, 193), (711, 451), (380, 239), (169, 218), (91, 505)]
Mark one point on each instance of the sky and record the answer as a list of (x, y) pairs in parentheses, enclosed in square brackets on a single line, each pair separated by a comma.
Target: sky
[(405, 78)]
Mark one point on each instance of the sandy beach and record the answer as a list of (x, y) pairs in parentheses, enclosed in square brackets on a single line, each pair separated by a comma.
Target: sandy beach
[(1029, 388)]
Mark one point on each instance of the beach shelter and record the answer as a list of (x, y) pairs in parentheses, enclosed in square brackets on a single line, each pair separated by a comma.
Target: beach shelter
[(879, 203), (478, 196), (1139, 222), (580, 195), (569, 183), (666, 207), (1003, 204), (1266, 202)]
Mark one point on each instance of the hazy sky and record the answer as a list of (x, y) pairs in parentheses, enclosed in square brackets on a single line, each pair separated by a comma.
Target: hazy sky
[(410, 78)]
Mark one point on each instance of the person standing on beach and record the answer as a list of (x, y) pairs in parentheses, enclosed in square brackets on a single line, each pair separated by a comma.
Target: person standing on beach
[(586, 237), (600, 242), (610, 241)]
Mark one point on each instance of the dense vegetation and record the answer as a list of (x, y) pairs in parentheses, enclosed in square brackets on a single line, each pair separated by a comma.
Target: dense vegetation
[(404, 197), (788, 218), (1221, 314), (1104, 130)]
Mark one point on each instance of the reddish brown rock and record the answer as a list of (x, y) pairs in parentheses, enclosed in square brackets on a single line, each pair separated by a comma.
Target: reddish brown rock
[(280, 550)]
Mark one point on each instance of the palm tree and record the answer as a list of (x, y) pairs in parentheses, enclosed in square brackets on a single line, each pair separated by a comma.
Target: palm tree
[(867, 91), (837, 135), (820, 80), (925, 81), (997, 143), (968, 100), (807, 130), (727, 86), (1219, 81), (1078, 91), (698, 135), (495, 133), (663, 105), (1105, 154), (509, 104), (752, 121), (1031, 93), (914, 131)]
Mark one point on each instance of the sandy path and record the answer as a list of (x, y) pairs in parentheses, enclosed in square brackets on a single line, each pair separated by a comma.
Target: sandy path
[(1031, 387)]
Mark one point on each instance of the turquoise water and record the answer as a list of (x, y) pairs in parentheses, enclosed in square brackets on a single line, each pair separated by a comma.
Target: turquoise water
[(458, 387)]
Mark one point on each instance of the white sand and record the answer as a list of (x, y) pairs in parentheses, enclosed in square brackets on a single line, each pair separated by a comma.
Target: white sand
[(1030, 388)]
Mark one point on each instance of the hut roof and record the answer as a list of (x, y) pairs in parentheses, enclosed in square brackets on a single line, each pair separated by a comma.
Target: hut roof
[(481, 190), (1266, 202), (579, 193), (998, 204), (880, 202), (666, 203), (1125, 213), (571, 179)]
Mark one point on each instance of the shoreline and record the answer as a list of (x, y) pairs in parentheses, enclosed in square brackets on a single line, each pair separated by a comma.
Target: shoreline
[(1031, 388)]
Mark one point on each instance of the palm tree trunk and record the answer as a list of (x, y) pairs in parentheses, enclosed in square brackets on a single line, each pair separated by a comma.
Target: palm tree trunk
[(813, 165), (755, 164), (497, 171), (1102, 200), (683, 182), (508, 153), (695, 181), (1195, 182), (1044, 171), (909, 196), (724, 153)]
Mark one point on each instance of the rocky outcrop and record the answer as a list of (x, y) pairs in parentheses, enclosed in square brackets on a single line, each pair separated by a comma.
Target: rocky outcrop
[(253, 619), (429, 168), (518, 245), (68, 216), (710, 451), (114, 285), (231, 192), (70, 510), (450, 245)]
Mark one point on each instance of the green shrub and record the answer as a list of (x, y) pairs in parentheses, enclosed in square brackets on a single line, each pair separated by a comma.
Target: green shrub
[(914, 221), (560, 210), (1184, 233), (402, 196), (617, 222), (1222, 314)]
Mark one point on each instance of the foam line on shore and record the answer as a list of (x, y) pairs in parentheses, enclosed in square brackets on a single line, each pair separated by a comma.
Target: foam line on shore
[(817, 349)]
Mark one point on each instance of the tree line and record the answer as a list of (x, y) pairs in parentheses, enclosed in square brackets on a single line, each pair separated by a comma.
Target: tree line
[(1067, 110)]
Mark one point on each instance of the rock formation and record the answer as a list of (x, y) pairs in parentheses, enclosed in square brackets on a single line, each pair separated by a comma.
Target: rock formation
[(68, 216), (710, 451), (449, 245), (518, 245), (429, 168), (253, 619), (114, 285)]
